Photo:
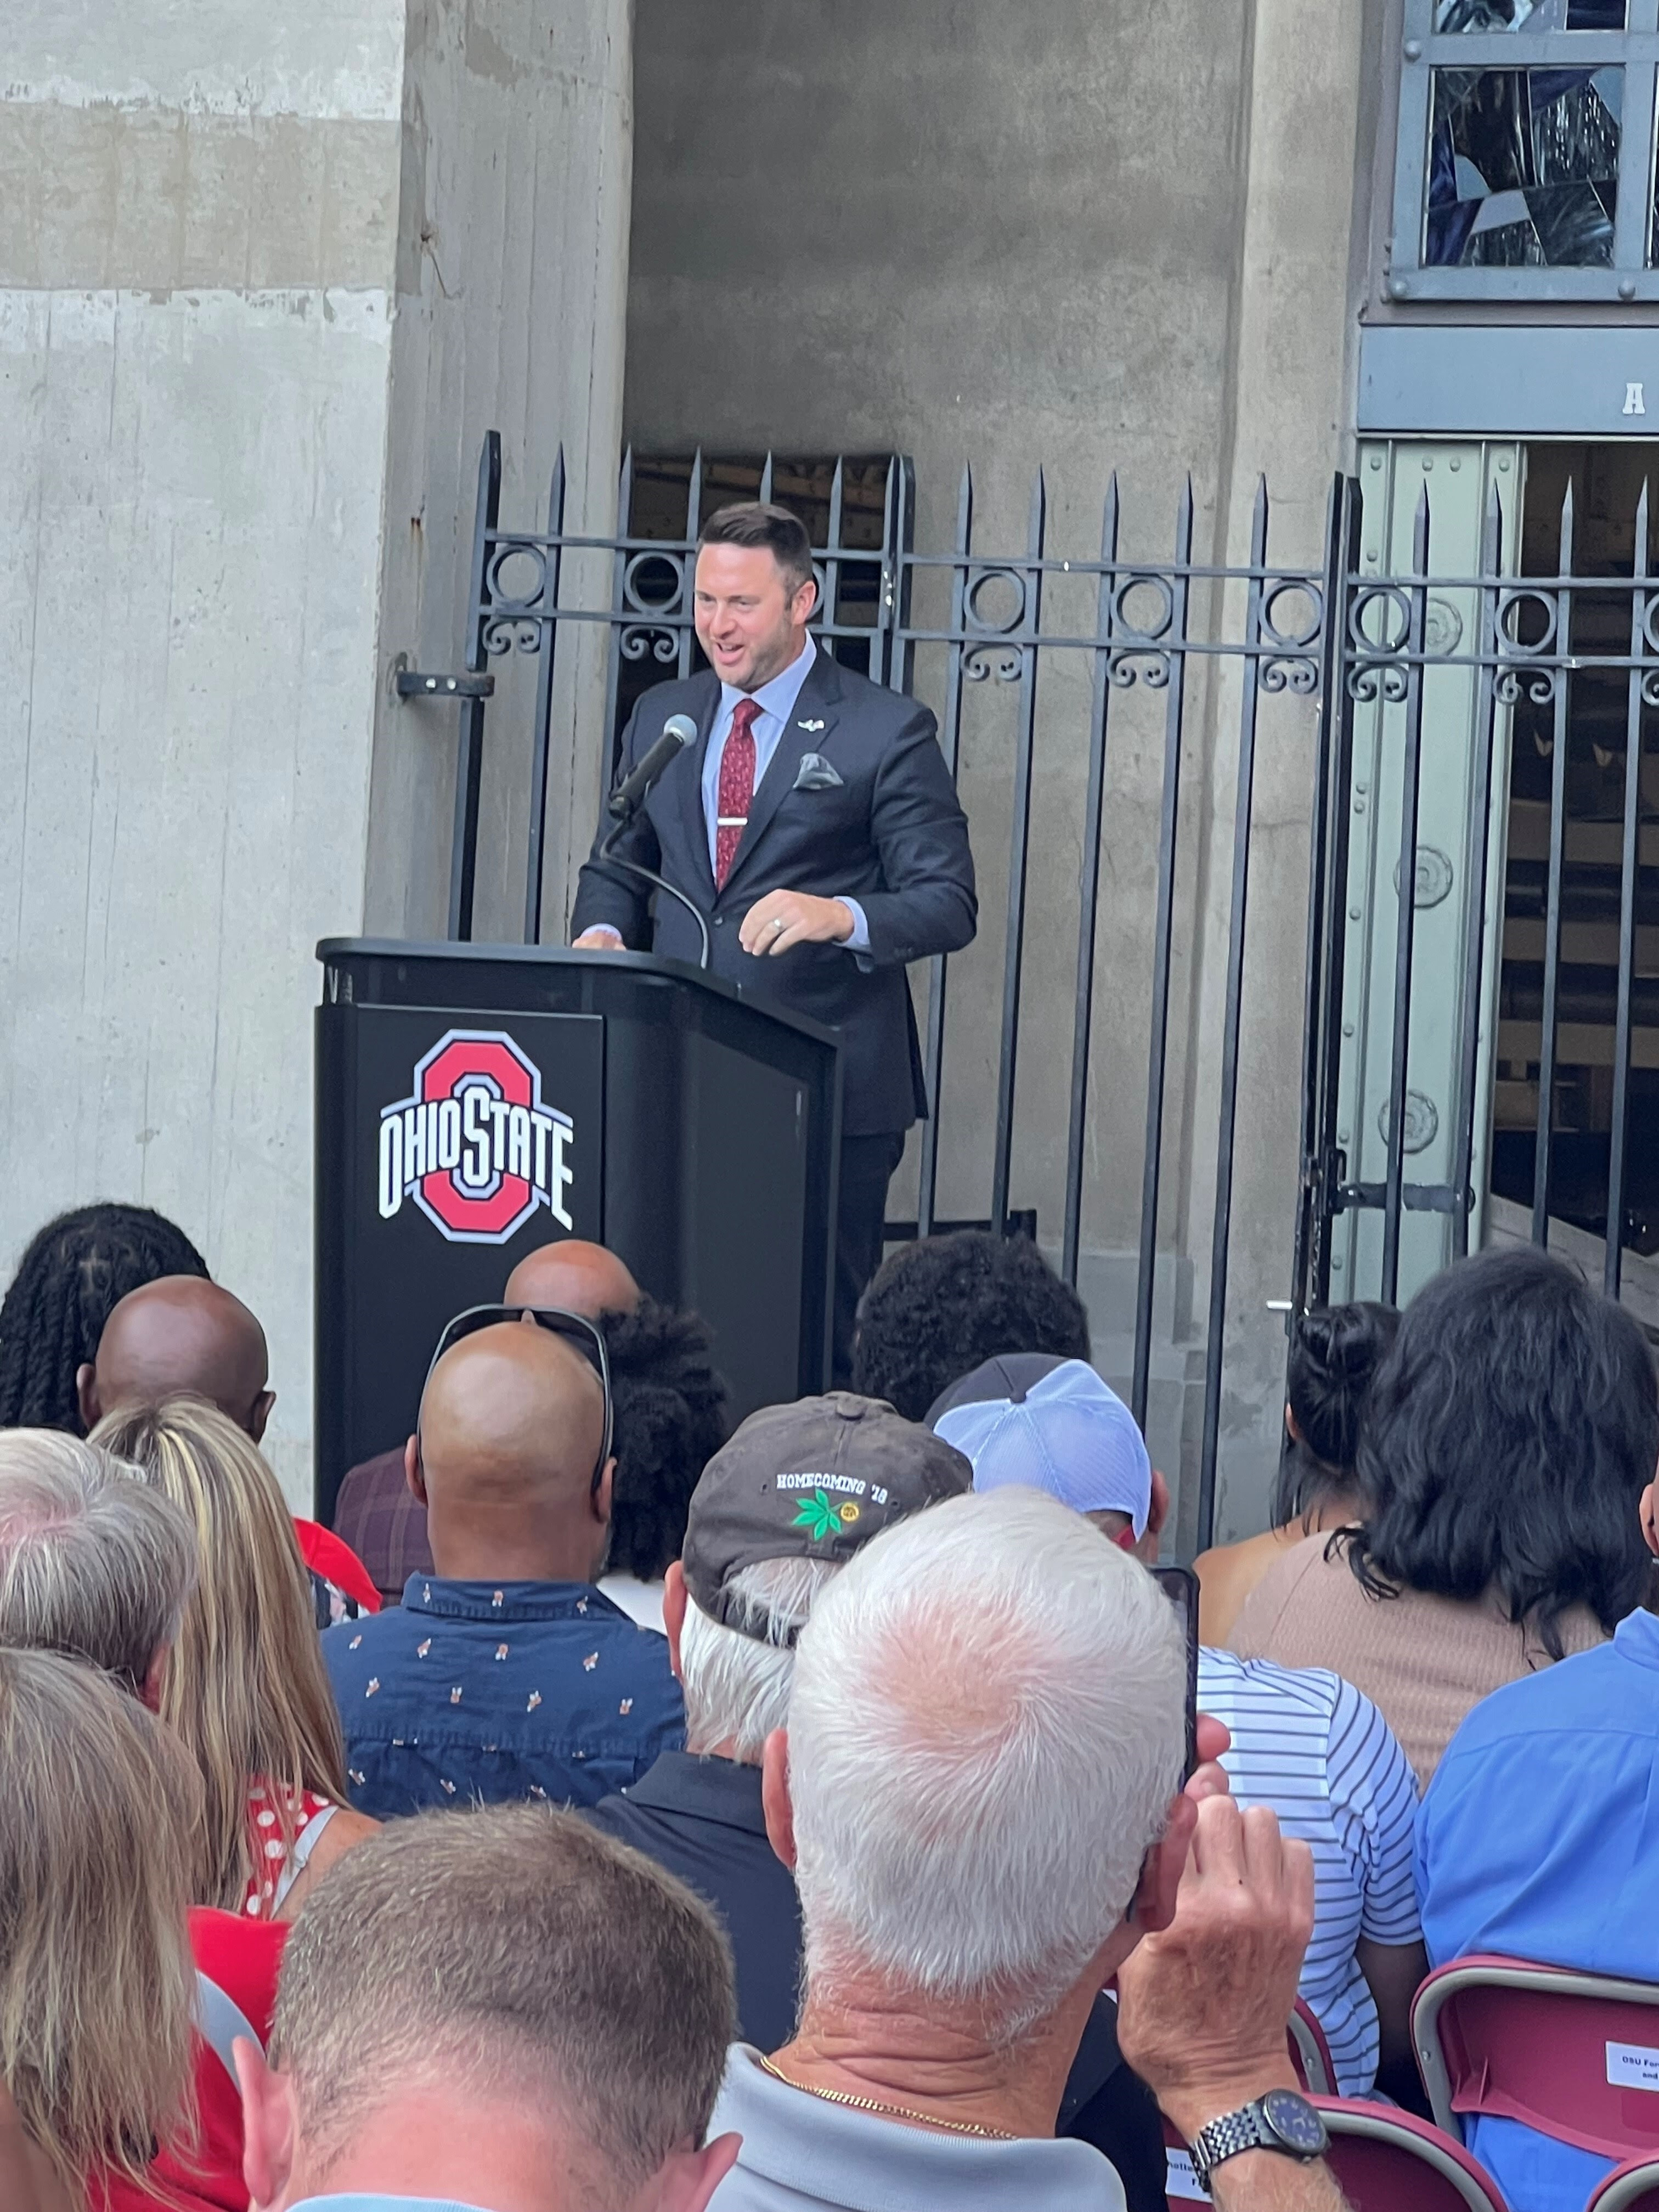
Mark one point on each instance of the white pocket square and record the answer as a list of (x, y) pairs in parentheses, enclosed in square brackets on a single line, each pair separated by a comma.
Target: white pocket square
[(815, 774)]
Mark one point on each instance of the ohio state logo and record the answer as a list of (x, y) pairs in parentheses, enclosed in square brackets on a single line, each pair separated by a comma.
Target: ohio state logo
[(472, 1145)]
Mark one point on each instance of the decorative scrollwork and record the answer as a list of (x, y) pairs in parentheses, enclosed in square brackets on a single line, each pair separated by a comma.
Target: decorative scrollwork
[(1379, 622), (510, 634), (1512, 603), (1129, 665), (1650, 687), (1295, 636), (1373, 679), (1288, 672), (981, 662), (640, 639), (506, 594), (1538, 685), (643, 570), (1649, 617), (1150, 627), (982, 579)]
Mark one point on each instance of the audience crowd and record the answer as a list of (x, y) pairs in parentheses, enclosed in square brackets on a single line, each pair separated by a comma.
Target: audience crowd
[(615, 1812)]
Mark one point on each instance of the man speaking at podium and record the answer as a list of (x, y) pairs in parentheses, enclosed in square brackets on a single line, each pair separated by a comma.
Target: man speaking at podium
[(814, 825)]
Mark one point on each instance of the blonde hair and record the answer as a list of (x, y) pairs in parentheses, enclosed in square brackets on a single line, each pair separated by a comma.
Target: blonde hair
[(95, 1977), (245, 1687)]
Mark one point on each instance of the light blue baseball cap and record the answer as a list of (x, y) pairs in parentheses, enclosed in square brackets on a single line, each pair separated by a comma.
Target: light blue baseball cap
[(1050, 1425)]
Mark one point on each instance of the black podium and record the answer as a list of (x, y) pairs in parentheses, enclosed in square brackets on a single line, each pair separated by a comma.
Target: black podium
[(474, 1102)]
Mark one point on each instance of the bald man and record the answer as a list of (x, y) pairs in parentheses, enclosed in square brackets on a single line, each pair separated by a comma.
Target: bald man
[(179, 1333), (505, 1672), (377, 1510), (582, 1278)]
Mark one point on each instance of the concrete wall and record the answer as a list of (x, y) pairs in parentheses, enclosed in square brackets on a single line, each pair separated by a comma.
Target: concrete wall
[(511, 300), (230, 374), (1086, 239), (194, 344)]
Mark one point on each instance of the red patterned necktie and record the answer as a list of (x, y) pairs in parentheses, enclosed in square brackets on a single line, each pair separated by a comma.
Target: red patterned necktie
[(737, 788)]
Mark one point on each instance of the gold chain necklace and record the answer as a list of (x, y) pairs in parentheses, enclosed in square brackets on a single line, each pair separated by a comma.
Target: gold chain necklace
[(891, 2111)]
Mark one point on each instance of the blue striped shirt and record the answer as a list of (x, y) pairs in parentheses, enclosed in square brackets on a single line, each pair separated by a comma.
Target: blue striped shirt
[(1317, 1753)]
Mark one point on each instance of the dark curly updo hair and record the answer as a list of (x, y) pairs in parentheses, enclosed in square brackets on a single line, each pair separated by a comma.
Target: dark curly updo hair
[(75, 1271), (939, 1307), (670, 1408), (1506, 1443), (1334, 1353)]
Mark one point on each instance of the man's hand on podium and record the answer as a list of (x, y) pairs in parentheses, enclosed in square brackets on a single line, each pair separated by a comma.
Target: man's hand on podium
[(600, 938), (782, 919)]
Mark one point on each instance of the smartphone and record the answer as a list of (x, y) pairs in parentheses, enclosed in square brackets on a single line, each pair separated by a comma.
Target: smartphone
[(1180, 1586)]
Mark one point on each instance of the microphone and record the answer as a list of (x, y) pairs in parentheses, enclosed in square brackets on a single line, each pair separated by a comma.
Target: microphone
[(678, 732)]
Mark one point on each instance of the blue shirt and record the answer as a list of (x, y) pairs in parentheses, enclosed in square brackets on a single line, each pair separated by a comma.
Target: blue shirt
[(470, 1692), (1539, 1836), (1319, 1754), (357, 2200)]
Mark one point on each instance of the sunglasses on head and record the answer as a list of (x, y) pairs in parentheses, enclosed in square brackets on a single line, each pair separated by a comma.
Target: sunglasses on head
[(583, 1335)]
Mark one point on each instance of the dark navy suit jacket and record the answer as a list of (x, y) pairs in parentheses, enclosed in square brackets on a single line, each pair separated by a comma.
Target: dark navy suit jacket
[(890, 834)]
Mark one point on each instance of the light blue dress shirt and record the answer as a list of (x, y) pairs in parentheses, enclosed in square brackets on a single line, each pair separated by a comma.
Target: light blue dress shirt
[(1539, 1836)]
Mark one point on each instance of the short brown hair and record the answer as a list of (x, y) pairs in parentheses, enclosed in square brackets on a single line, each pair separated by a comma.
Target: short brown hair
[(758, 522), (512, 1941)]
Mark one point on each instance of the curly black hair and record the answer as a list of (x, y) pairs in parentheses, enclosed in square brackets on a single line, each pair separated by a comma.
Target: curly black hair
[(1335, 1351), (670, 1408), (936, 1309), (1506, 1445), (75, 1271)]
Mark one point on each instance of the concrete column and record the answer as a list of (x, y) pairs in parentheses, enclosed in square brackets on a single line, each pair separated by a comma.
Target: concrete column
[(512, 284), (1290, 375), (216, 219)]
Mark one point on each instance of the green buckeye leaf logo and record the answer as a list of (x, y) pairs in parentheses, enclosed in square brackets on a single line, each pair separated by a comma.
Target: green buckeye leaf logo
[(821, 1517)]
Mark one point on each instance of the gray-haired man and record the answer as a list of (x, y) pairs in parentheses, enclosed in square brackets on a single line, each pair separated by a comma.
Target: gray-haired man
[(797, 1492)]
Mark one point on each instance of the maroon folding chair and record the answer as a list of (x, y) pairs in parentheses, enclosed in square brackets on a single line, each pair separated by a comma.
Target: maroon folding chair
[(1388, 2161), (1384, 2160), (1574, 2056), (1311, 2054), (1630, 2188)]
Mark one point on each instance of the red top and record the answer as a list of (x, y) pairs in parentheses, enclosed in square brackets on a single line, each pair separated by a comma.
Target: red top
[(235, 1959), (275, 1863)]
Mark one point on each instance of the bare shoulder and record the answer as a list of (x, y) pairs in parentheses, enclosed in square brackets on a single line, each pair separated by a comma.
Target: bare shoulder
[(344, 1832), (1226, 1576), (1302, 1573)]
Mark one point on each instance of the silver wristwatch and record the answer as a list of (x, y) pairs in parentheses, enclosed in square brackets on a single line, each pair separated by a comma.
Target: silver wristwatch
[(1281, 2121)]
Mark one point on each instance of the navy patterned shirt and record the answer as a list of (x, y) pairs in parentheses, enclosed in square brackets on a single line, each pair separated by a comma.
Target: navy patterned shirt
[(481, 1693)]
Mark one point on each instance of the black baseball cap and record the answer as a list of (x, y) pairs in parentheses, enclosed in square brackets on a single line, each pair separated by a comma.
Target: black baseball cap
[(815, 1479)]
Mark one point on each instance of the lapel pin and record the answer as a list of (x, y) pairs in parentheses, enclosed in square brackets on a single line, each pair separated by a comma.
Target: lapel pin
[(809, 726)]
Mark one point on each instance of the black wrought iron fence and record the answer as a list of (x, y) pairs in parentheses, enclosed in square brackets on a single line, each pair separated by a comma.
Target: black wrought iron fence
[(1114, 666)]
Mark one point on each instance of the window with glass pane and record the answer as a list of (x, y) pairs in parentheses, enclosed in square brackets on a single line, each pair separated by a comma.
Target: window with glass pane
[(1523, 168), (1533, 17)]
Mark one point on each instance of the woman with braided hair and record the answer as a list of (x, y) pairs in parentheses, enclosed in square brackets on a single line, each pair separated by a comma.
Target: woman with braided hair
[(75, 1271)]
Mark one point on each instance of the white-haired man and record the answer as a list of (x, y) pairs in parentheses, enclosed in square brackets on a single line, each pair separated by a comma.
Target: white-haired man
[(979, 1792), (794, 1494)]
